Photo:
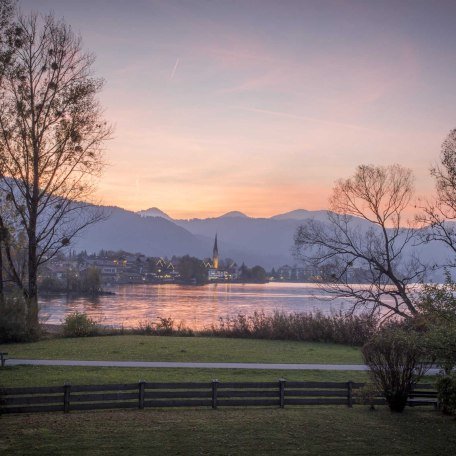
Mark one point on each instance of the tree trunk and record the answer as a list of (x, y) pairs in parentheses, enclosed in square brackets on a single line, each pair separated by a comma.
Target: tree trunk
[(1, 268), (32, 266)]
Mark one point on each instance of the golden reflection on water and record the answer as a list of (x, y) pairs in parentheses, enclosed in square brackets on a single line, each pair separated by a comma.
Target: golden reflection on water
[(194, 306)]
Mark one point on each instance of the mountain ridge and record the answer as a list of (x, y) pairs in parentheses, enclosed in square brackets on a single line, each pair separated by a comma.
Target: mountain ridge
[(268, 242)]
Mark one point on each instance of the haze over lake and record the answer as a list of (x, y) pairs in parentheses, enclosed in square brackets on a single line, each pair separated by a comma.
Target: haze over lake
[(197, 307)]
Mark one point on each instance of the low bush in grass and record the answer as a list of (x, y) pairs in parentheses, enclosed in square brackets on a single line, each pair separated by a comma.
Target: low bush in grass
[(308, 327), (12, 319), (446, 393), (79, 324), (397, 360), (162, 327)]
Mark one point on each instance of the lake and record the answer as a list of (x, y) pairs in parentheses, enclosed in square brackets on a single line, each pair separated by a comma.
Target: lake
[(196, 307)]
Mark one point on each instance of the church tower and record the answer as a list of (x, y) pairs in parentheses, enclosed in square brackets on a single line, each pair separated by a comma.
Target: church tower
[(215, 255)]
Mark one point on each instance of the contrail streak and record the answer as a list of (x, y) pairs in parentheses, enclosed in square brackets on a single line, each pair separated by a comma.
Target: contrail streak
[(175, 68)]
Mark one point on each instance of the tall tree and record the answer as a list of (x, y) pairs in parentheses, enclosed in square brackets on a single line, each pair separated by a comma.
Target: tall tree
[(51, 136), (366, 229), (6, 15)]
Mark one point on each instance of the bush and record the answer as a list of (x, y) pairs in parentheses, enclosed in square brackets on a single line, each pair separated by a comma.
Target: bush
[(13, 319), (446, 393), (79, 325), (437, 318), (308, 327), (164, 327), (367, 395), (397, 360)]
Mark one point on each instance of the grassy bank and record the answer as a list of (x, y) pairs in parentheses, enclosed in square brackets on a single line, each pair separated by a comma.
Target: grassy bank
[(186, 349), (292, 431)]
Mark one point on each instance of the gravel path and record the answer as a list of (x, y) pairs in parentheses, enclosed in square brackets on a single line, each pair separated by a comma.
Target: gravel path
[(163, 364)]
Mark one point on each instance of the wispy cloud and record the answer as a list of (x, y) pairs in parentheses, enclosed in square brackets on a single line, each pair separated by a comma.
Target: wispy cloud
[(173, 73), (303, 118)]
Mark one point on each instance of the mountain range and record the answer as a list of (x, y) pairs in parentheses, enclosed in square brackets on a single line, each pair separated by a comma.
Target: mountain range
[(264, 241)]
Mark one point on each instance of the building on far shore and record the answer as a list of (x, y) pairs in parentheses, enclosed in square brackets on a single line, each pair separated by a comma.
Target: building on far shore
[(214, 273)]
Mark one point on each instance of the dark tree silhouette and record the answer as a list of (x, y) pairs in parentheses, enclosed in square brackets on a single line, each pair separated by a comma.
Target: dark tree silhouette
[(365, 230), (51, 136)]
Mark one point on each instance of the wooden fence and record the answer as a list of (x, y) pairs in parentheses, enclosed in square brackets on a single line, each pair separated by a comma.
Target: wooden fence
[(191, 394)]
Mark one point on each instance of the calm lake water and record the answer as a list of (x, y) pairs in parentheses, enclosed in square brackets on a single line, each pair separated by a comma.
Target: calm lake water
[(197, 307)]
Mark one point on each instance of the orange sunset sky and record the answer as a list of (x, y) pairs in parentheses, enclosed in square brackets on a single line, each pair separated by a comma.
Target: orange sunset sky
[(259, 106)]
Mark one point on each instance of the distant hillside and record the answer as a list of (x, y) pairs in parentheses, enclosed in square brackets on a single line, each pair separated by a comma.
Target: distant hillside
[(234, 214), (301, 214), (265, 241), (154, 212), (150, 235)]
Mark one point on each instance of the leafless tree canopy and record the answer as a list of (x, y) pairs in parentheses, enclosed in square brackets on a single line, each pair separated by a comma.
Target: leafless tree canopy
[(51, 136), (365, 230), (439, 215)]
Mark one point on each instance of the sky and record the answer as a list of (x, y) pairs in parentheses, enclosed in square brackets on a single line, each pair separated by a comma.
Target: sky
[(260, 106)]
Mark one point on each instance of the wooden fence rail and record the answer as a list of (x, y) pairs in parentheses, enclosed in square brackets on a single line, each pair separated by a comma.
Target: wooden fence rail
[(192, 394)]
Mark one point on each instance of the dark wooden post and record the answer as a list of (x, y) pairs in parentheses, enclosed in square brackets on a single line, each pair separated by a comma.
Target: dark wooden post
[(350, 394), (282, 382), (66, 397), (142, 386), (214, 393)]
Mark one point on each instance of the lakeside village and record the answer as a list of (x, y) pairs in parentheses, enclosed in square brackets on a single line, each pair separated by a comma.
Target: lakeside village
[(82, 272)]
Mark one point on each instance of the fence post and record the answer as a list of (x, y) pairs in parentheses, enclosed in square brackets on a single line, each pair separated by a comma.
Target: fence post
[(214, 393), (350, 394), (282, 382), (66, 397), (142, 386)]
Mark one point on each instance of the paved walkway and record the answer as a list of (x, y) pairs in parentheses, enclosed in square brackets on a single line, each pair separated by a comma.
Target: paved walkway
[(164, 364)]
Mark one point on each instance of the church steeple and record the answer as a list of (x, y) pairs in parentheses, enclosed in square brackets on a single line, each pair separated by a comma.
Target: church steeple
[(215, 254)]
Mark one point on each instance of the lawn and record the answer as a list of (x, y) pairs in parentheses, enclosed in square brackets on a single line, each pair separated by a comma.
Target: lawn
[(316, 430), (291, 431), (186, 349), (58, 375)]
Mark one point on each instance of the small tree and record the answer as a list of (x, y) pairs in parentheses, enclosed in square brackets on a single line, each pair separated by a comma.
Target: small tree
[(192, 269), (90, 280), (258, 274), (396, 359), (51, 134), (366, 230), (437, 305)]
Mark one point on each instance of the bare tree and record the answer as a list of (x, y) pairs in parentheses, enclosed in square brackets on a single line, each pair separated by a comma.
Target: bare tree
[(51, 136), (365, 230), (439, 215), (6, 32)]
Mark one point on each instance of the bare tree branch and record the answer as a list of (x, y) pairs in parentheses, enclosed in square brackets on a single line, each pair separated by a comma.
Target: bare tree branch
[(364, 231), (51, 136)]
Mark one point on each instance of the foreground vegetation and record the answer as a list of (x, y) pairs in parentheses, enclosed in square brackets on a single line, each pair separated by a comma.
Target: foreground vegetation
[(307, 327), (292, 431), (186, 349)]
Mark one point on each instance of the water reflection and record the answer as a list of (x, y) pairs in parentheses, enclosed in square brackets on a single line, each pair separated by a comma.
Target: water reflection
[(196, 307)]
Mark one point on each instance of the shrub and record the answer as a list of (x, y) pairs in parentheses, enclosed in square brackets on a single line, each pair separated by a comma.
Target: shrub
[(397, 360), (12, 319), (309, 327), (164, 327), (367, 395), (437, 318), (79, 325), (446, 393)]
